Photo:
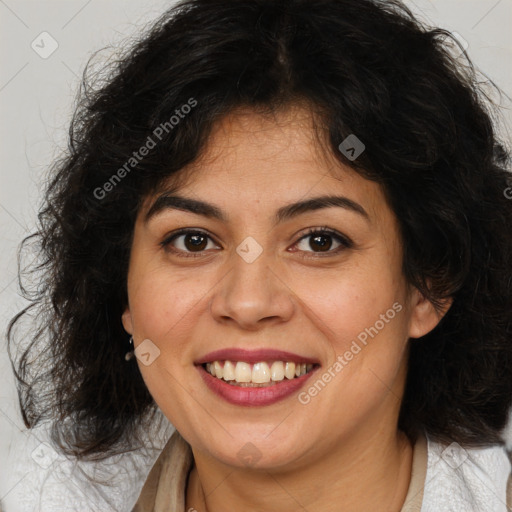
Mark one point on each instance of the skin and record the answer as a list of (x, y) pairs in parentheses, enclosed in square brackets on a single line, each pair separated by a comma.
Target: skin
[(342, 449)]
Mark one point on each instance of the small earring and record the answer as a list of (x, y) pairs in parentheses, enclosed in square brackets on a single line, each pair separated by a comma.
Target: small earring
[(129, 355)]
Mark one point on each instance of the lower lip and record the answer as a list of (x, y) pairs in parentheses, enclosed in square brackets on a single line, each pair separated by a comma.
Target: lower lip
[(247, 396)]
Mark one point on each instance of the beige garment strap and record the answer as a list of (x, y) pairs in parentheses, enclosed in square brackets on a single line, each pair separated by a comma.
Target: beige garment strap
[(414, 498), (509, 484), (509, 492), (165, 486)]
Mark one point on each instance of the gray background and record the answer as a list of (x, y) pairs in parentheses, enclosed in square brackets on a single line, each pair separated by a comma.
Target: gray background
[(36, 97)]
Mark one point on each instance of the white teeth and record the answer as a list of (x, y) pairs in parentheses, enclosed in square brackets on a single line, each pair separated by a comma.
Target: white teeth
[(289, 370), (218, 370), (260, 373), (243, 372), (229, 371), (277, 371)]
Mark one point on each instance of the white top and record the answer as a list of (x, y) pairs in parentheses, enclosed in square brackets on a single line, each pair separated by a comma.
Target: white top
[(453, 479)]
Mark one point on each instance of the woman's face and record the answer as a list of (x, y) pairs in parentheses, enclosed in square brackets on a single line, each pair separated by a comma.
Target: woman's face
[(255, 280)]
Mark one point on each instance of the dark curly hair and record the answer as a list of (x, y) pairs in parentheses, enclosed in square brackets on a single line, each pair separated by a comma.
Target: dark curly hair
[(364, 67)]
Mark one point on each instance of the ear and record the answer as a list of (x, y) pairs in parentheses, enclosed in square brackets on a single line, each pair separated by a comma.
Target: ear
[(424, 316), (126, 318)]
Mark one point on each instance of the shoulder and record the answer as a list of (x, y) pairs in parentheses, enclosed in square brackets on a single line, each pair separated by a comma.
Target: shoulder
[(473, 479)]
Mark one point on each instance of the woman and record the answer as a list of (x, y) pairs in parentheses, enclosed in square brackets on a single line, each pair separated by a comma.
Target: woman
[(293, 214)]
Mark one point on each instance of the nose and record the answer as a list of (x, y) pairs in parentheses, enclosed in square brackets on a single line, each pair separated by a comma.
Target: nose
[(252, 295)]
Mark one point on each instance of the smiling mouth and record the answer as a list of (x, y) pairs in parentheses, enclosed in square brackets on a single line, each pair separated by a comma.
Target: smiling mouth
[(260, 374)]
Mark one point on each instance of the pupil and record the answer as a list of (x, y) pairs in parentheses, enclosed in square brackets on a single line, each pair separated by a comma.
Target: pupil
[(196, 241), (323, 246)]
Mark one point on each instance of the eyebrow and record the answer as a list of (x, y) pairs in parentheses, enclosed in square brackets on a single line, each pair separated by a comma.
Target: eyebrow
[(176, 202)]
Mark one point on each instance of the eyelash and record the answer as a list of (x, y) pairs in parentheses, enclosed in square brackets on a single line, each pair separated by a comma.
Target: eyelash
[(345, 242)]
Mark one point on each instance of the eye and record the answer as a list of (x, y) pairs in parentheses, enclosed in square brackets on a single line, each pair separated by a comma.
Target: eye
[(321, 241), (191, 243), (186, 242)]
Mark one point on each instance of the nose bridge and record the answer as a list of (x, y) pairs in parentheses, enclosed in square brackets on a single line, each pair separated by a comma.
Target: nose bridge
[(251, 266), (251, 291)]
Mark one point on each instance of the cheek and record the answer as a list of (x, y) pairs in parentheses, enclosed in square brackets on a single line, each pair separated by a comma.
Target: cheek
[(164, 310), (162, 304), (364, 323), (347, 302)]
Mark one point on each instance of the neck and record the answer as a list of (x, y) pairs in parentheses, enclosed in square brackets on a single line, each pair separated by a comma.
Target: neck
[(364, 473)]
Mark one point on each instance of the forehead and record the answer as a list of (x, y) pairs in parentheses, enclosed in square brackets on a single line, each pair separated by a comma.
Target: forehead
[(245, 140), (273, 158)]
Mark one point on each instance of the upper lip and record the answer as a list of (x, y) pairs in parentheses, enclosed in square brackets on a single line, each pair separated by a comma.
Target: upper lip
[(254, 356)]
